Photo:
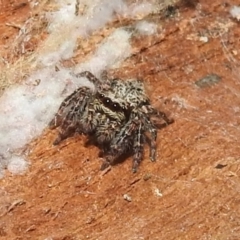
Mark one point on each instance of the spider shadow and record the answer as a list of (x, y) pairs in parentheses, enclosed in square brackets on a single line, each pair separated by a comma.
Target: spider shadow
[(102, 151)]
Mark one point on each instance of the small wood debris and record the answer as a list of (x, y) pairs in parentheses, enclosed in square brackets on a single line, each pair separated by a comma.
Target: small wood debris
[(127, 197)]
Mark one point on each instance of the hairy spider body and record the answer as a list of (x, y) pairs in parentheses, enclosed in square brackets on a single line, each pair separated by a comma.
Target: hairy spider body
[(116, 115)]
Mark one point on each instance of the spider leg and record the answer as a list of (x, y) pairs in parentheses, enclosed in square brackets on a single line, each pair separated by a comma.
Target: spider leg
[(153, 146), (87, 122), (121, 144), (164, 117), (151, 128), (138, 148), (69, 114), (63, 134), (103, 137), (89, 76), (59, 116), (77, 96), (148, 126), (153, 111), (76, 101), (68, 127)]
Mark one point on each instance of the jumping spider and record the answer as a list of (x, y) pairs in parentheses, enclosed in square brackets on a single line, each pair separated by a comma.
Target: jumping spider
[(117, 115)]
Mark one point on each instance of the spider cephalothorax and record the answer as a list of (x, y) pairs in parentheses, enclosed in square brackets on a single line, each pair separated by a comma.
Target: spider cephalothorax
[(116, 115)]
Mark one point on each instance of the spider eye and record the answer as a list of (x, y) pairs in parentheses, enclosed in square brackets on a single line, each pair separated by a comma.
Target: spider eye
[(116, 106), (107, 101), (100, 96)]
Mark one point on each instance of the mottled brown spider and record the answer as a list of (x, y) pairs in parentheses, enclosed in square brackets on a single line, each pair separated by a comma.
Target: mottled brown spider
[(116, 115)]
